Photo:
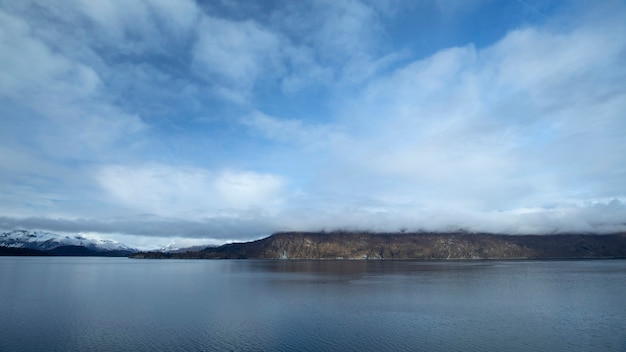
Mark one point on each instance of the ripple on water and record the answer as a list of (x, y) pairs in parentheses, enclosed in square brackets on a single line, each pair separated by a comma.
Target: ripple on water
[(122, 305)]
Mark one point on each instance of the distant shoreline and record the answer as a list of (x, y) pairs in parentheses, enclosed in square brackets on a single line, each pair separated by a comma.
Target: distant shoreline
[(61, 251), (428, 246)]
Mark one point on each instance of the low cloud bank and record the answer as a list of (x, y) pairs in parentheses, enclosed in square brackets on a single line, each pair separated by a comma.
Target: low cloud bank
[(596, 218)]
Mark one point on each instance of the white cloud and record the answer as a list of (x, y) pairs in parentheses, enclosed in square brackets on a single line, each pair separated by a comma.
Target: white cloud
[(236, 54), (150, 232), (536, 120), (65, 95), (192, 193), (337, 43), (293, 131), (137, 27), (244, 190), (32, 69), (550, 67), (595, 217), (346, 28), (178, 17), (319, 43)]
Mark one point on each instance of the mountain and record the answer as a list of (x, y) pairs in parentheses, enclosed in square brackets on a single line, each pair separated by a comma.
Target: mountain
[(28, 242), (174, 249), (420, 246)]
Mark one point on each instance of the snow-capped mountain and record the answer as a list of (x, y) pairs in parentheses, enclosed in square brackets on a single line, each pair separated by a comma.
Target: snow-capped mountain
[(45, 241), (172, 248)]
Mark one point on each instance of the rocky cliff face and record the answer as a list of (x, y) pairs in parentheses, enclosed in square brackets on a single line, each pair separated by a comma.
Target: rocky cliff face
[(423, 246)]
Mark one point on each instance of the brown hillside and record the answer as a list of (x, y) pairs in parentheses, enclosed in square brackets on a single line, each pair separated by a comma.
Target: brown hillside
[(421, 246)]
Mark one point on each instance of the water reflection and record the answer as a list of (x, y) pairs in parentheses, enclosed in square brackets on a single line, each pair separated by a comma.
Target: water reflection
[(360, 267)]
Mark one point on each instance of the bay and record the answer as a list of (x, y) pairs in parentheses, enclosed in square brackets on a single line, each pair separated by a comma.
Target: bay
[(120, 304)]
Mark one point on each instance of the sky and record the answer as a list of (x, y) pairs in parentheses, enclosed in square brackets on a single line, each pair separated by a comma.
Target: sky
[(160, 122)]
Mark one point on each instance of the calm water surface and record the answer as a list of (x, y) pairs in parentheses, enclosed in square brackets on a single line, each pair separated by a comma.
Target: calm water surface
[(119, 304)]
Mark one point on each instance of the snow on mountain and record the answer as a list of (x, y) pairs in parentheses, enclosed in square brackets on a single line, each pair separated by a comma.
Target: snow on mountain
[(42, 240), (172, 248)]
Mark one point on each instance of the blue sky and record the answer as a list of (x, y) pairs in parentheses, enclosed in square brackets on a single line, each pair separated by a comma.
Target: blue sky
[(159, 121)]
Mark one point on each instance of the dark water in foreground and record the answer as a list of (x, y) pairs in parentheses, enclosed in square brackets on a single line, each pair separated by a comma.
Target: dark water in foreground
[(113, 304)]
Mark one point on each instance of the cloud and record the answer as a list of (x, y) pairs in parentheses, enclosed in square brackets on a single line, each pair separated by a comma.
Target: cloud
[(342, 42), (292, 131), (345, 29), (192, 193), (518, 123), (149, 232), (33, 69), (236, 54), (599, 217), (139, 27), (61, 95), (56, 117), (299, 47)]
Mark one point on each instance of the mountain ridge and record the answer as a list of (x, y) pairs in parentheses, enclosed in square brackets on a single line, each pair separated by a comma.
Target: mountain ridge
[(43, 243), (412, 246)]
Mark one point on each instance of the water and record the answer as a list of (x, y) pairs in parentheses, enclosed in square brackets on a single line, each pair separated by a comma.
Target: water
[(119, 304)]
